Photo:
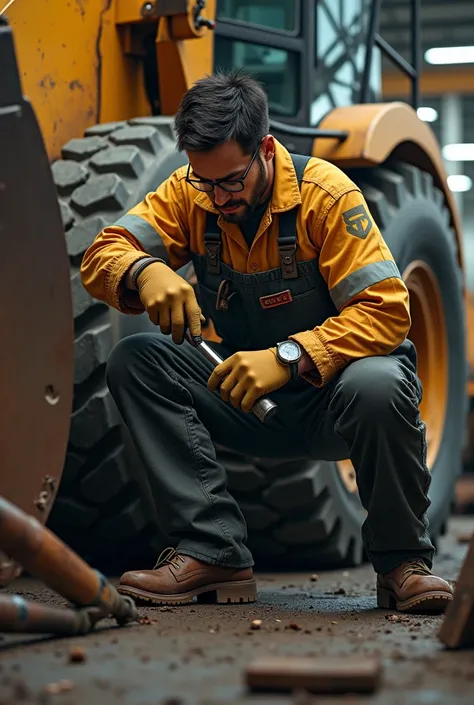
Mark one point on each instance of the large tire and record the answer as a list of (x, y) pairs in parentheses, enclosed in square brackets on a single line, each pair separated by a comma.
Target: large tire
[(416, 223), (99, 510), (300, 514)]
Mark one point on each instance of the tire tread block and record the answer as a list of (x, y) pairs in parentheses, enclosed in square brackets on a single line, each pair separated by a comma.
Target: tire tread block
[(80, 149), (264, 548), (71, 512), (128, 523), (67, 216), (93, 420), (103, 482), (126, 161), (101, 193), (296, 490), (427, 184), (67, 175), (277, 468), (378, 205), (392, 185), (163, 123), (243, 479), (81, 236), (143, 136), (92, 349), (411, 176), (104, 128), (258, 516), (337, 551), (81, 300), (313, 529)]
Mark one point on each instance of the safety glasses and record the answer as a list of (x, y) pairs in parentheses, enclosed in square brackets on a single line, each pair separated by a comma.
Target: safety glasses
[(230, 185)]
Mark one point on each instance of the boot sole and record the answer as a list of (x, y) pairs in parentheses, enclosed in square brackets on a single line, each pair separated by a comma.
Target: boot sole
[(433, 602), (237, 592)]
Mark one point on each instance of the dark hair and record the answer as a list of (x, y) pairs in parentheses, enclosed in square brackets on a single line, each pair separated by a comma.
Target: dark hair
[(222, 107)]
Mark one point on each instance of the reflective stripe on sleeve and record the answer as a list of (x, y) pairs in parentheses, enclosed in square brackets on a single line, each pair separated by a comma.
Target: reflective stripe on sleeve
[(145, 233), (361, 279)]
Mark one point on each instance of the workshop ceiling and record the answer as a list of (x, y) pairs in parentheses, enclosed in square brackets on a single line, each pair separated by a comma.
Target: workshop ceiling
[(442, 24)]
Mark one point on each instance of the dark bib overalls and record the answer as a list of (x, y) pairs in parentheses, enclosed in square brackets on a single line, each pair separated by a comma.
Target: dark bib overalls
[(368, 412), (244, 316)]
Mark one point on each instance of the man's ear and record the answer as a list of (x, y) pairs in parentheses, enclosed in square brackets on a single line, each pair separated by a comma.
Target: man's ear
[(268, 147)]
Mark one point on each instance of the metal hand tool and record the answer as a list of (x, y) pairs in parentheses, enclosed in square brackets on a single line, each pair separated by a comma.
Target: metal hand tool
[(264, 408), (45, 556), (20, 615)]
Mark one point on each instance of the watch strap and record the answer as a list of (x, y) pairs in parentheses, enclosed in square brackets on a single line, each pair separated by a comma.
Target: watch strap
[(293, 367)]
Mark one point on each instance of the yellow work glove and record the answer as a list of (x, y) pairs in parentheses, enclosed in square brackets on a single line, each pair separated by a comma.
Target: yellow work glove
[(246, 376), (169, 301)]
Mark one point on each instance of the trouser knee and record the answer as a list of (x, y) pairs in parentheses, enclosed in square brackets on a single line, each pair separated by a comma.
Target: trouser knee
[(376, 390), (131, 356)]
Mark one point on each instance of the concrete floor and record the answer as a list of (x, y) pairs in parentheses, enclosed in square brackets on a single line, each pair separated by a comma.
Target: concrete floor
[(197, 654)]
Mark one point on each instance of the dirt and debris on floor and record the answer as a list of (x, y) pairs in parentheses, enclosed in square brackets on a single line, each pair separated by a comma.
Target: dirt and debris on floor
[(197, 654)]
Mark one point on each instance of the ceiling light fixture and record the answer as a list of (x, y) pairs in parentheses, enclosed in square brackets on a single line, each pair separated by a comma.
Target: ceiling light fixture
[(459, 152), (459, 183), (427, 114), (450, 55)]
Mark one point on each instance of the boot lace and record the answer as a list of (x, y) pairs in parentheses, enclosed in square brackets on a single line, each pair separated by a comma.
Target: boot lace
[(168, 557), (415, 567)]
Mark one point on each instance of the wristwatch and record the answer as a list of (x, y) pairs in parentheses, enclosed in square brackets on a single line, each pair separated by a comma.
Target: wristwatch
[(289, 354)]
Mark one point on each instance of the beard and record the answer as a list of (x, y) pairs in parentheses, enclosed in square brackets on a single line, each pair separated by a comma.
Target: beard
[(254, 200)]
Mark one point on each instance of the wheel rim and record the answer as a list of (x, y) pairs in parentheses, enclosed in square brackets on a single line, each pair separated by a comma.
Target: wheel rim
[(348, 476), (428, 333)]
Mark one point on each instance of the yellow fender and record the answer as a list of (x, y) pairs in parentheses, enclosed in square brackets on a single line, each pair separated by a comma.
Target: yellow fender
[(381, 130)]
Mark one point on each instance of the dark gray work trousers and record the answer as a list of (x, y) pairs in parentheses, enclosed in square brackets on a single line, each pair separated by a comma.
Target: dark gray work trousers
[(368, 413)]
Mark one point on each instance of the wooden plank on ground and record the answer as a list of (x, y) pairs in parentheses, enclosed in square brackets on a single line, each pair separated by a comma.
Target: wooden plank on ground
[(325, 674)]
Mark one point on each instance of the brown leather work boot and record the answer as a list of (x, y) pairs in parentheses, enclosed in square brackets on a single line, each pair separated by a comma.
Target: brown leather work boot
[(411, 587), (177, 578)]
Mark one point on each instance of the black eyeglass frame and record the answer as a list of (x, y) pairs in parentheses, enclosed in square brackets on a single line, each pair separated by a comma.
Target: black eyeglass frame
[(220, 182)]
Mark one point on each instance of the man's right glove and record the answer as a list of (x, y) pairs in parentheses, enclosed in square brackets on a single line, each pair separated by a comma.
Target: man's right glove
[(169, 301)]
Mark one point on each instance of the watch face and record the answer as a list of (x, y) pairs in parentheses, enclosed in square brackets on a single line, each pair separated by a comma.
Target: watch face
[(289, 351)]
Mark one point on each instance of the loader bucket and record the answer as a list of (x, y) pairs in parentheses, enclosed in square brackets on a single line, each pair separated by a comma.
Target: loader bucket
[(36, 330)]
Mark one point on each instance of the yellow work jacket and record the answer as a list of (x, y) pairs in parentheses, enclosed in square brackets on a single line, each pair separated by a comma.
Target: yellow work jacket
[(374, 315)]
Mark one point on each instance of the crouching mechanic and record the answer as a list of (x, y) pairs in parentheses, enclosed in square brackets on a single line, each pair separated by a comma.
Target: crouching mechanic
[(311, 309)]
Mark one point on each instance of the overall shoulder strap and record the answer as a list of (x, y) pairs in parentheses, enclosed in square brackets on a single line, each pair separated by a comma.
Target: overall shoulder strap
[(299, 163), (213, 243), (288, 236)]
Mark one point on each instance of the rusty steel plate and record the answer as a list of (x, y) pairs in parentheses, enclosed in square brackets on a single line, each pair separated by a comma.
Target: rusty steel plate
[(36, 323)]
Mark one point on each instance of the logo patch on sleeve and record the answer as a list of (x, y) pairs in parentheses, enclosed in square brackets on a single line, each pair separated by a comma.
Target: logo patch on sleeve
[(272, 300), (358, 221)]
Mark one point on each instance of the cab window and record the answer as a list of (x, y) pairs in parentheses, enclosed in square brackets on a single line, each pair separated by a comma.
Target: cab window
[(279, 15), (277, 69)]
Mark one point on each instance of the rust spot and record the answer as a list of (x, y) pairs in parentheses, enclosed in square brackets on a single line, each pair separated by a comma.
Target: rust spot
[(47, 81), (76, 84), (80, 4)]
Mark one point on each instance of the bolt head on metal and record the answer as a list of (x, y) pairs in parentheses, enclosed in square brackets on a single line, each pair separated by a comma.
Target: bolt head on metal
[(148, 9)]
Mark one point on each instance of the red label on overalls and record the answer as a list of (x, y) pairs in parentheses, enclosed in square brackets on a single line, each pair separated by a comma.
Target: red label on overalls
[(272, 300)]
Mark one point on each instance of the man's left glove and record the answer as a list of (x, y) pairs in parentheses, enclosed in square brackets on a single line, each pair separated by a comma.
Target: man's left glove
[(246, 376)]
